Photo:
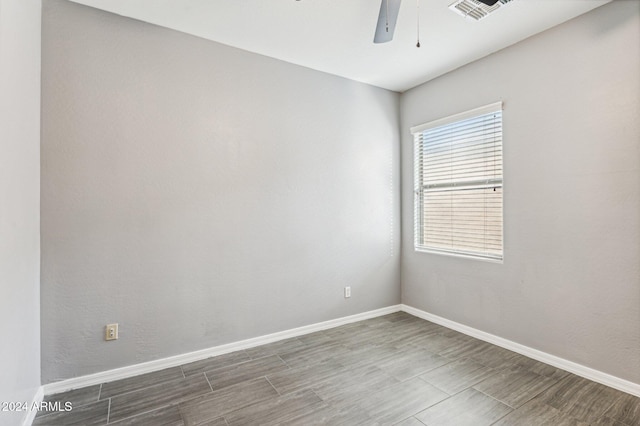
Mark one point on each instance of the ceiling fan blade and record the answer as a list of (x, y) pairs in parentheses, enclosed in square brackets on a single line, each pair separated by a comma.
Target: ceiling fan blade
[(388, 15)]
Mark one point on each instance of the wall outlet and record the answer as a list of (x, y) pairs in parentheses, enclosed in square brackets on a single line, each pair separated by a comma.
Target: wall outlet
[(111, 332), (347, 292)]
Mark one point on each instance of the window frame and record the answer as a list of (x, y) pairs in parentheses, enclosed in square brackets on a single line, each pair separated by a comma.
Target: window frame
[(420, 191)]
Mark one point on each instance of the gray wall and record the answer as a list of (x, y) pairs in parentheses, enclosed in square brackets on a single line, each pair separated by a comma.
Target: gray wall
[(570, 282), (19, 203), (199, 194)]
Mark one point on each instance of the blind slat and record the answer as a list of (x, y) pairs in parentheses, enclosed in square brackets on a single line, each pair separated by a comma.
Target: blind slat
[(458, 185)]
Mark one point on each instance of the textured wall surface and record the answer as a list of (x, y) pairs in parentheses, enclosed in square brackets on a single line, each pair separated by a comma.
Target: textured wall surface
[(570, 282), (19, 203), (198, 194)]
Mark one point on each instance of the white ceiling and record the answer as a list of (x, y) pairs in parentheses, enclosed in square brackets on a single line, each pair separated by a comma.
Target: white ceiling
[(336, 36)]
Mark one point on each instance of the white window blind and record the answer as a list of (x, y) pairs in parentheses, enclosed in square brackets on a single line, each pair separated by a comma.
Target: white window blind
[(458, 184)]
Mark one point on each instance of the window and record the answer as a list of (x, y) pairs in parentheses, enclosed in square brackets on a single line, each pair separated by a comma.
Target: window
[(458, 184)]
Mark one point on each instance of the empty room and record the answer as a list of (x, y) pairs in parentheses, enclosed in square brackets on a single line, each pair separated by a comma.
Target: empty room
[(305, 212)]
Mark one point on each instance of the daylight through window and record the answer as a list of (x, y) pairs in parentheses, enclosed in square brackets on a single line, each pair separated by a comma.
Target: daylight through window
[(458, 184)]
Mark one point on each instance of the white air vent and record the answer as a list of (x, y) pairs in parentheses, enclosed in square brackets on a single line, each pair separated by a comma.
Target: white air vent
[(474, 9)]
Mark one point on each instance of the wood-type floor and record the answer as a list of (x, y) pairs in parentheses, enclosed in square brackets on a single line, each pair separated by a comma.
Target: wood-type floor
[(391, 370)]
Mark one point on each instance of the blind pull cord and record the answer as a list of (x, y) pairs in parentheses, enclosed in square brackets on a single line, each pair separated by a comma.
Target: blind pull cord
[(418, 20)]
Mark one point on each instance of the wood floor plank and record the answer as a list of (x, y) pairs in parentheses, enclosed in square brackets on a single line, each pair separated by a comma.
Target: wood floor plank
[(626, 410), (277, 410), (605, 421), (159, 396), (295, 379), (403, 332), (534, 366), (514, 387), (580, 398), (391, 370), (462, 348), (142, 381), (93, 414), (347, 331), (215, 422), (276, 348), (468, 408), (225, 400), (168, 416), (315, 339), (411, 362), (376, 335), (214, 363), (350, 382), (366, 355), (447, 332), (492, 356), (411, 421), (435, 343), (536, 413), (397, 402), (485, 353), (314, 354), (457, 375), (371, 337), (77, 397), (237, 373), (329, 415), (400, 316), (377, 323)]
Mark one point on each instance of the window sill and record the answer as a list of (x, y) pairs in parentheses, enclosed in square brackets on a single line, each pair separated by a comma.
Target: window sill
[(460, 255)]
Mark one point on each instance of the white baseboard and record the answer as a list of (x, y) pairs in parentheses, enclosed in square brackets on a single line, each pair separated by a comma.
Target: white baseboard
[(35, 402), (160, 364), (563, 364), (174, 361)]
